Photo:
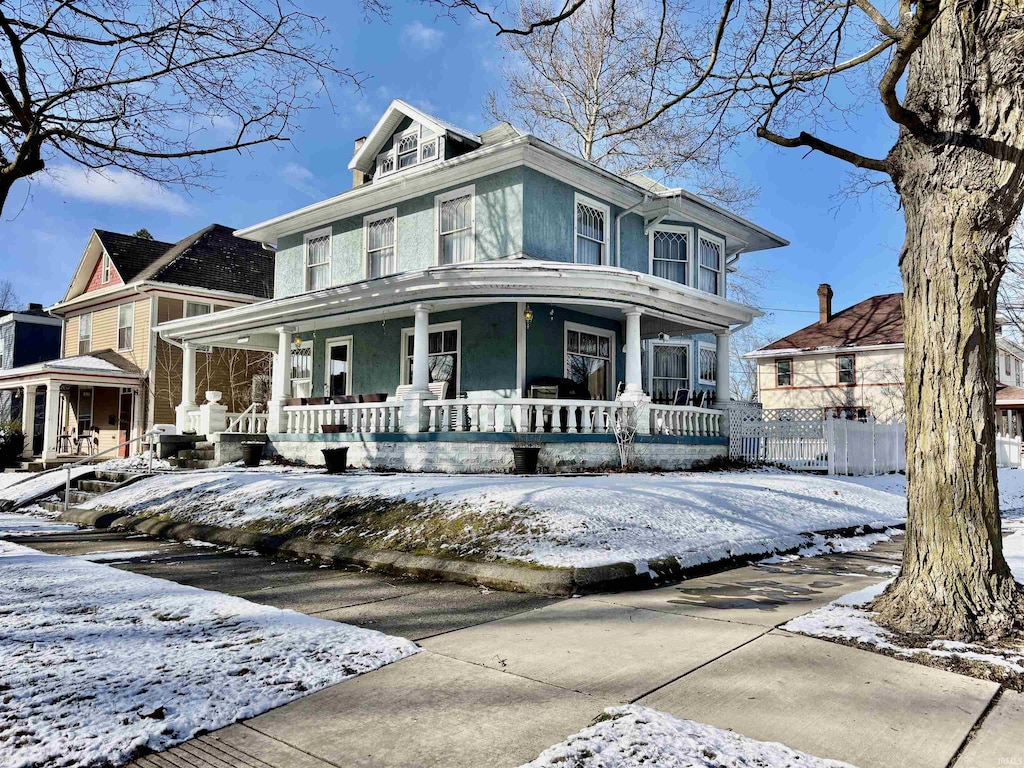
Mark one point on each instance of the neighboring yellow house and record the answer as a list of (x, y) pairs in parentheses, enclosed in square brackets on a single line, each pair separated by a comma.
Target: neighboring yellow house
[(116, 377), (850, 364)]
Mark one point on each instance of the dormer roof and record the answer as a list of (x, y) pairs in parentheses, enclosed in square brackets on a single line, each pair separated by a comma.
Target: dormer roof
[(397, 111)]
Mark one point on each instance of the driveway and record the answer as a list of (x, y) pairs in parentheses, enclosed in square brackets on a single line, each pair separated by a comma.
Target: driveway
[(506, 675)]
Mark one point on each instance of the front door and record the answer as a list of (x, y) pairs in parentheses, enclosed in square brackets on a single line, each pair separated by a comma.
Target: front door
[(339, 368), (125, 420)]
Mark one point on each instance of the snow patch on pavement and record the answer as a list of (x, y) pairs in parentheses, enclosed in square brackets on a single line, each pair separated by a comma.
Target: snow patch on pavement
[(118, 555), (637, 736), (13, 525), (96, 663)]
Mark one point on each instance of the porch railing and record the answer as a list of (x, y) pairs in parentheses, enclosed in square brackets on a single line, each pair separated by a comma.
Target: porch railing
[(195, 421), (248, 422), (585, 417), (348, 417), (685, 421)]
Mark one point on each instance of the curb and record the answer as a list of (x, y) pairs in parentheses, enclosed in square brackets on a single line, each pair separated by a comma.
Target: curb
[(560, 582)]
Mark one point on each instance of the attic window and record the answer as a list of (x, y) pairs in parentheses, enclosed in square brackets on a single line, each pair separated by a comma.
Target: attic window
[(106, 268), (410, 148)]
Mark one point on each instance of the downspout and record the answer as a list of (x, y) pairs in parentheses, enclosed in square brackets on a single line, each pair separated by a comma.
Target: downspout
[(618, 230)]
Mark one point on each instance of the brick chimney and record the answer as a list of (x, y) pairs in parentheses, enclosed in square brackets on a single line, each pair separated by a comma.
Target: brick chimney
[(34, 307), (358, 177), (824, 303)]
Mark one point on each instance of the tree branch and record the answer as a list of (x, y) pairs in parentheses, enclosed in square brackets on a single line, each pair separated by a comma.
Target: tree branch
[(813, 142)]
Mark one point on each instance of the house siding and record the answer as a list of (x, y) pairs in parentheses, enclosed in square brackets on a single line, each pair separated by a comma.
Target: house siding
[(104, 333), (32, 343)]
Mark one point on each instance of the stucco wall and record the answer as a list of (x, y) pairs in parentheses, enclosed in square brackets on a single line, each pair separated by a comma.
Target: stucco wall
[(879, 383)]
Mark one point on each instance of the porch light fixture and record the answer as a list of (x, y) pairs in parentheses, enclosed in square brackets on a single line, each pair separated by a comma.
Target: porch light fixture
[(297, 341), (528, 316)]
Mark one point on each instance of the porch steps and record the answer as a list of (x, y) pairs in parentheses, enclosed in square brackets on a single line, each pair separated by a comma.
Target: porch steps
[(86, 489), (200, 457)]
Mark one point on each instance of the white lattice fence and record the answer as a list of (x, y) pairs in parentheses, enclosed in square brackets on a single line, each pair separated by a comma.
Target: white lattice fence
[(790, 437)]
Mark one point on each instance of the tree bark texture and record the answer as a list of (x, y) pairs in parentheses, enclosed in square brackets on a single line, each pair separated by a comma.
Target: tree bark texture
[(962, 189)]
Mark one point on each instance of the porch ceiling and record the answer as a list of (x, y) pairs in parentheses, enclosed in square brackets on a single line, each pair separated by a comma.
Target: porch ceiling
[(601, 289)]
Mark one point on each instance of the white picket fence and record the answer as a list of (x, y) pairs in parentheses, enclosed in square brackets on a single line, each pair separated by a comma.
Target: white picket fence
[(1008, 451), (865, 447)]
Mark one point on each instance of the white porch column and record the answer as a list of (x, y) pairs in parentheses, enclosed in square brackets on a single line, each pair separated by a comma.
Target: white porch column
[(280, 382), (28, 417), (188, 386), (722, 369), (51, 421), (414, 411), (634, 391)]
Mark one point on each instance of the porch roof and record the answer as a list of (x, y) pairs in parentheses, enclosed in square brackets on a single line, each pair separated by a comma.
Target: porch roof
[(104, 368), (522, 279)]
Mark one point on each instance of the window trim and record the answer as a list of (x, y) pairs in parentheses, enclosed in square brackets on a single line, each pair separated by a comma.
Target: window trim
[(783, 360), (131, 341), (711, 348), (839, 381), (82, 338), (672, 342), (405, 369), (390, 213), (306, 237), (469, 189), (681, 229), (612, 350), (105, 273), (599, 206), (720, 242), (337, 341), (207, 304)]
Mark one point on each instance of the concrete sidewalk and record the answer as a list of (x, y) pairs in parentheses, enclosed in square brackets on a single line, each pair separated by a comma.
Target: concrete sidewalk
[(504, 676)]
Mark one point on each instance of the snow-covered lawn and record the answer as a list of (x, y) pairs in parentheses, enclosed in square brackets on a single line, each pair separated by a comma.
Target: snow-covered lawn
[(96, 663), (847, 620), (633, 736), (14, 524), (581, 521)]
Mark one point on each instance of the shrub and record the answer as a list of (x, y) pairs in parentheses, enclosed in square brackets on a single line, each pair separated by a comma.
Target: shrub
[(12, 443)]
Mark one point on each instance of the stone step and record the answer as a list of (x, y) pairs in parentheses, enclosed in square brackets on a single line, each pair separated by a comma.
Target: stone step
[(80, 497), (114, 477), (204, 463), (53, 506), (97, 486), (203, 445)]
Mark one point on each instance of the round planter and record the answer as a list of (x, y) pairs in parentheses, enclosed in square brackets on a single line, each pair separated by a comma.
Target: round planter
[(336, 460), (213, 395), (525, 459), (252, 453)]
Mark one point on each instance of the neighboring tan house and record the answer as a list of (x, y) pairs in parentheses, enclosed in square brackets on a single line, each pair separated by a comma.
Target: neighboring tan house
[(494, 283), (850, 364), (116, 377)]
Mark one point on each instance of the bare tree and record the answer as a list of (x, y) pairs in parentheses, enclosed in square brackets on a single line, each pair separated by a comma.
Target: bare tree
[(742, 370), (153, 87), (590, 84), (8, 295), (950, 79), (1011, 288)]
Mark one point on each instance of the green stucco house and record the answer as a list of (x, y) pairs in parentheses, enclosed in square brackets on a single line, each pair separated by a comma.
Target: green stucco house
[(471, 292)]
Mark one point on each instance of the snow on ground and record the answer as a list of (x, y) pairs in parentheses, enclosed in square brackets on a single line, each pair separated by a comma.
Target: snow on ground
[(96, 663), (634, 736), (10, 478), (846, 619), (585, 521), (13, 525)]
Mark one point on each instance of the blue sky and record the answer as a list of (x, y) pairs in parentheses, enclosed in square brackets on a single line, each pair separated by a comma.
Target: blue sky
[(447, 69)]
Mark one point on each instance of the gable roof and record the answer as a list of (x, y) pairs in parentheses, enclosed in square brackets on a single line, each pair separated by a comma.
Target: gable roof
[(388, 124), (130, 254), (874, 321)]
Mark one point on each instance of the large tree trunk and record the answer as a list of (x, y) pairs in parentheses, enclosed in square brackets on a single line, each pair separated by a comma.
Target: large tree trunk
[(961, 186)]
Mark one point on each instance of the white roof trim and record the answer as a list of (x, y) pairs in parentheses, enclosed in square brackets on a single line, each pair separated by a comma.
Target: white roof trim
[(388, 124), (762, 353)]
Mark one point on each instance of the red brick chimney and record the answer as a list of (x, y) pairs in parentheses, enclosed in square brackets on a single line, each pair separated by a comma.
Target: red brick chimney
[(824, 303)]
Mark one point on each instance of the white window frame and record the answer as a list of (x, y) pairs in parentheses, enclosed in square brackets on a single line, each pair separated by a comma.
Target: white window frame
[(433, 140), (701, 234), (390, 213), (599, 206), (469, 190), (303, 380), (406, 365), (207, 304), (81, 336), (594, 330), (105, 276), (702, 346), (337, 341), (92, 409), (322, 232), (690, 238), (652, 343), (130, 326)]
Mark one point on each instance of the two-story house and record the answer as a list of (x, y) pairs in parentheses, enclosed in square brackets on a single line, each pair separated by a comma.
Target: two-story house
[(27, 336), (850, 364), (492, 284), (111, 376)]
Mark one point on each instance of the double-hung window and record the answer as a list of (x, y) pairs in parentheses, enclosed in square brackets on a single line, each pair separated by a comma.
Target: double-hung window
[(125, 326), (84, 413), (455, 230), (407, 147), (670, 371), (846, 369), (590, 359), (318, 259), (670, 253), (443, 352), (381, 243), (707, 361), (302, 369), (784, 373), (711, 262), (85, 334), (591, 233)]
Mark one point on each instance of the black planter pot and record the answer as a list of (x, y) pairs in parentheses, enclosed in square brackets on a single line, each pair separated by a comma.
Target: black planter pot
[(525, 459), (336, 460), (252, 454)]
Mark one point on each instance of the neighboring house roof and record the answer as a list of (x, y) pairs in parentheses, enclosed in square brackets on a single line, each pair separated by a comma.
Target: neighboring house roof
[(872, 322), (1007, 395), (130, 254), (104, 360)]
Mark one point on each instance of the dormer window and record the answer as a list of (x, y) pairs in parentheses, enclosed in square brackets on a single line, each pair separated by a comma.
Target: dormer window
[(409, 149)]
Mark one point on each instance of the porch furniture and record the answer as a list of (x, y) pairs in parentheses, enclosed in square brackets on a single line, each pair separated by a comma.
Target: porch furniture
[(682, 397), (65, 443), (438, 388)]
